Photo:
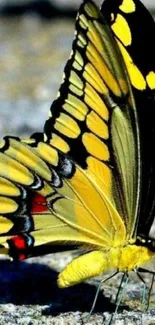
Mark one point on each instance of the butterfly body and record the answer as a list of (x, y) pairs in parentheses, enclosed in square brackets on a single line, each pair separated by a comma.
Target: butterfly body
[(121, 259)]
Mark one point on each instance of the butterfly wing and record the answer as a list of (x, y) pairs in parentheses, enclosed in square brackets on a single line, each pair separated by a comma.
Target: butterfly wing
[(134, 28), (44, 200), (94, 119), (94, 123)]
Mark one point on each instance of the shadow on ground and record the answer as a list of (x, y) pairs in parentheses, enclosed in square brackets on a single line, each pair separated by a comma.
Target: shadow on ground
[(28, 284)]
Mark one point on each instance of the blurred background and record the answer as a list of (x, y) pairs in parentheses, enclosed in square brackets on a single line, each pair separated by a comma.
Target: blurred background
[(35, 42)]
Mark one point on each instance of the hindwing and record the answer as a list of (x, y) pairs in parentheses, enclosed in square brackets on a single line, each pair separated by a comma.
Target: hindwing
[(45, 199)]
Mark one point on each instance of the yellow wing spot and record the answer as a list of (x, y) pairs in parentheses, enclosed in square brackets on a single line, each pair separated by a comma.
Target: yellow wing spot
[(83, 21), (135, 75), (47, 153), (79, 59), (82, 24), (91, 10), (95, 102), (15, 171), (127, 6), (59, 143), (94, 36), (82, 40), (7, 205), (91, 75), (76, 80), (75, 107), (6, 224), (8, 188), (77, 66), (67, 126), (95, 147), (97, 125), (78, 63), (27, 157), (75, 90), (150, 78), (98, 63), (80, 44), (122, 30), (46, 190)]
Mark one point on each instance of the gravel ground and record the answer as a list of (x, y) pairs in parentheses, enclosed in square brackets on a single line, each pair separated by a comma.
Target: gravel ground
[(29, 295), (32, 56)]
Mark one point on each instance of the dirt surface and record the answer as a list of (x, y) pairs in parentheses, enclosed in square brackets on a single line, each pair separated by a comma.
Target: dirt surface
[(29, 295)]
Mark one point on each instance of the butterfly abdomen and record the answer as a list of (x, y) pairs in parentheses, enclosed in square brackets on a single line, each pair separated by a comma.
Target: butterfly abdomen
[(95, 263)]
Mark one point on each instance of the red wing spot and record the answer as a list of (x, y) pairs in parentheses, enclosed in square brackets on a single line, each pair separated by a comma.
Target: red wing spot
[(38, 204), (39, 199), (19, 246), (22, 257), (19, 242)]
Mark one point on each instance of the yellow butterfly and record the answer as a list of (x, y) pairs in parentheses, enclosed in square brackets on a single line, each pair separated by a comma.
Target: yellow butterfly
[(83, 183)]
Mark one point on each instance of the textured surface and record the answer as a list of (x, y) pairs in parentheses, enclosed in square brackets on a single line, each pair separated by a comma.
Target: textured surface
[(29, 295)]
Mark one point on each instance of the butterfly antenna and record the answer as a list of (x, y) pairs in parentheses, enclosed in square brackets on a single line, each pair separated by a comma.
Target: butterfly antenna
[(120, 294)]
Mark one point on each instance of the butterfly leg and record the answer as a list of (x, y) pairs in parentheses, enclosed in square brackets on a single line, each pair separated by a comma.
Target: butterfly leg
[(98, 290), (149, 293), (120, 294), (144, 290), (151, 286)]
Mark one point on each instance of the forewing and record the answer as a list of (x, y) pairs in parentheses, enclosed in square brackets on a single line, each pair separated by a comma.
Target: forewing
[(94, 120)]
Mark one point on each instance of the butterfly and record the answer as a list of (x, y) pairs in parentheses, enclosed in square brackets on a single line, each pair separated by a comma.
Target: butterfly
[(86, 181)]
